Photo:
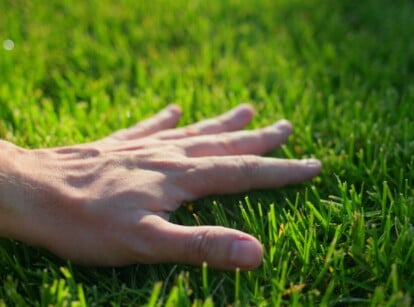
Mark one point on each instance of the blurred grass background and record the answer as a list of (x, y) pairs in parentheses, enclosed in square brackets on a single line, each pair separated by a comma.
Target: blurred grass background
[(341, 71)]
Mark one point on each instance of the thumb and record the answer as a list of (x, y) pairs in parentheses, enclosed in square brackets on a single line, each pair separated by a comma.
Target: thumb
[(219, 247)]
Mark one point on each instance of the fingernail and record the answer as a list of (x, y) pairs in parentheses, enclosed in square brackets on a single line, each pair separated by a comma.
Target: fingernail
[(245, 254), (245, 106), (244, 111), (312, 163), (284, 125), (173, 108)]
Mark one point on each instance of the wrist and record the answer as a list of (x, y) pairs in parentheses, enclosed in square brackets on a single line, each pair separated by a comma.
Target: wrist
[(9, 156)]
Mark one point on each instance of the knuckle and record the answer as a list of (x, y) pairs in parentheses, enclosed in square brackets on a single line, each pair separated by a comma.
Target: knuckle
[(142, 239), (226, 143), (225, 122), (170, 164), (168, 150), (190, 131), (248, 167), (119, 135), (200, 245), (245, 165)]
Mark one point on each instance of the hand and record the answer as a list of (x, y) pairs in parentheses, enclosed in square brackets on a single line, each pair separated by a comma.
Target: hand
[(108, 202)]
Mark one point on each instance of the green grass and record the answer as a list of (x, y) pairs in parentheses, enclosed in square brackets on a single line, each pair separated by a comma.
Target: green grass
[(341, 71)]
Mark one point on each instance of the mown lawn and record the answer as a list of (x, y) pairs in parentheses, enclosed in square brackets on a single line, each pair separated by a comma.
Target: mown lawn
[(341, 71)]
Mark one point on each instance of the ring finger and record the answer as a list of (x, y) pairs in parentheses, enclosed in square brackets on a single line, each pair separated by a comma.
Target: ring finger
[(256, 142)]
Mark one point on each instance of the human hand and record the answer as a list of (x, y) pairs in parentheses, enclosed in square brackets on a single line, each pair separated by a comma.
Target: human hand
[(108, 202)]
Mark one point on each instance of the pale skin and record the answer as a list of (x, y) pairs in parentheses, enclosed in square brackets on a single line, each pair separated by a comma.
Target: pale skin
[(108, 202)]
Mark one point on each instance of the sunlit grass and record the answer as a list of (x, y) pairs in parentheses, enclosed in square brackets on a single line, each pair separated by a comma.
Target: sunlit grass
[(341, 71)]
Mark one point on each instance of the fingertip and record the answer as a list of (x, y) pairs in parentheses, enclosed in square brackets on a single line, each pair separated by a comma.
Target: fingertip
[(246, 106), (246, 253), (313, 166), (312, 163), (174, 108), (245, 109), (284, 125)]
